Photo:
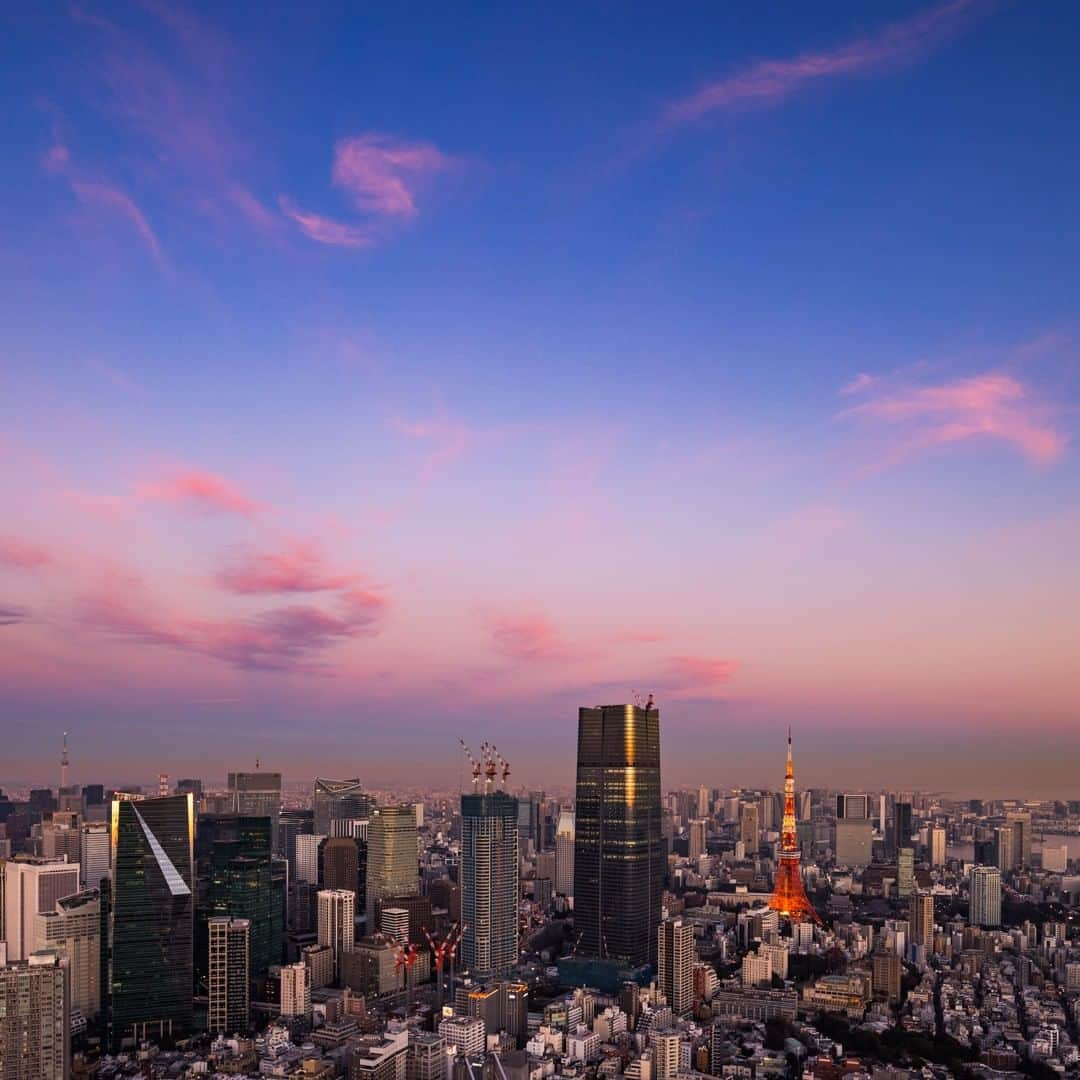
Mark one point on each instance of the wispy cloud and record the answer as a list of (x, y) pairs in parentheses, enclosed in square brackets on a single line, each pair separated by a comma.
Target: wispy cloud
[(449, 438), (989, 405), (13, 615), (295, 638), (527, 636), (206, 491), (325, 230), (770, 82), (382, 173), (300, 567), (23, 554)]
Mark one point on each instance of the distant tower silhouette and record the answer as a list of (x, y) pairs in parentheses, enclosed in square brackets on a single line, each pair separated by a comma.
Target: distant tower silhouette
[(789, 897), (64, 765)]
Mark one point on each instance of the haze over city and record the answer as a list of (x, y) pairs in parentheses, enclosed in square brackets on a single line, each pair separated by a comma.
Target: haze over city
[(369, 381)]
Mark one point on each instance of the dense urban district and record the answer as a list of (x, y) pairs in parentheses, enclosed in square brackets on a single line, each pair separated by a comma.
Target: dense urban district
[(253, 928)]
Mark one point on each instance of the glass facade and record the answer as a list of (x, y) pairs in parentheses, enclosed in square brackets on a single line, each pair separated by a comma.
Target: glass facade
[(489, 883), (618, 857), (335, 800), (151, 918)]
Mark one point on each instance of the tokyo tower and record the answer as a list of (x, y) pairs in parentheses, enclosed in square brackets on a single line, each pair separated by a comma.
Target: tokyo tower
[(789, 896)]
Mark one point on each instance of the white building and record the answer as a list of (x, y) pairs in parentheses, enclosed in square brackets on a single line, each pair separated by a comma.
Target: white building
[(31, 888), (295, 990), (985, 883)]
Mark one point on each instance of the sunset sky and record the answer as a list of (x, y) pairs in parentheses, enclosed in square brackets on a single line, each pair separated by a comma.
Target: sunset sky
[(370, 378)]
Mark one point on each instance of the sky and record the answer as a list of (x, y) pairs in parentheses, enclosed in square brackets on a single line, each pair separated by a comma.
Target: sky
[(375, 376)]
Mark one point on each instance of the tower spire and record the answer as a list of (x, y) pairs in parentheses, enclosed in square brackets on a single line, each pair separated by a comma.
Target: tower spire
[(789, 895), (64, 764)]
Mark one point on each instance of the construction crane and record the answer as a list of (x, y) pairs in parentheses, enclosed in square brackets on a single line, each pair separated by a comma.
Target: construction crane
[(404, 957), (504, 766), (473, 764), (453, 940)]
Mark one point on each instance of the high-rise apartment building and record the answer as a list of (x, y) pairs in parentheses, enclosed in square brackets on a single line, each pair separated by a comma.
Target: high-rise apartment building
[(393, 863), (35, 1024), (94, 854), (905, 872), (1006, 856), (489, 883), (564, 854), (1020, 823), (338, 800), (922, 920), (696, 839), (666, 1046), (73, 929), (336, 922), (985, 886), (675, 964), (258, 794), (704, 803), (618, 857), (150, 907), (937, 838), (32, 886), (749, 827), (295, 990), (229, 946)]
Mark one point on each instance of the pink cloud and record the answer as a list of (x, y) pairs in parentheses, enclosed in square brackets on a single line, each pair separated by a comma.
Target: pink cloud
[(325, 230), (701, 671), (769, 82), (295, 638), (449, 437), (299, 568), (381, 172), (205, 490), (992, 404), (13, 614), (23, 555), (526, 637)]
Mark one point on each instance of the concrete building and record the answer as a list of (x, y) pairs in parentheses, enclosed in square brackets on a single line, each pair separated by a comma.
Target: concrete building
[(94, 854), (675, 964), (296, 990), (73, 929), (426, 1059), (936, 842), (307, 857), (985, 885), (336, 922), (564, 854), (229, 970), (463, 1034), (749, 826), (380, 1057), (32, 887), (35, 1020), (852, 841)]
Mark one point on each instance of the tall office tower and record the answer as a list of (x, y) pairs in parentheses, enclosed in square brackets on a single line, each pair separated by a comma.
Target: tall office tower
[(618, 855), (229, 973), (902, 827), (307, 856), (73, 929), (921, 918), (886, 974), (258, 794), (883, 803), (853, 806), (905, 872), (343, 865), (235, 880), (31, 888), (295, 990), (35, 1023), (393, 863), (335, 800), (675, 964), (1020, 821), (749, 827), (291, 824), (789, 894), (696, 846), (489, 883), (1005, 847), (985, 885), (150, 919), (60, 836), (704, 803), (94, 854), (336, 922), (937, 838), (564, 854)]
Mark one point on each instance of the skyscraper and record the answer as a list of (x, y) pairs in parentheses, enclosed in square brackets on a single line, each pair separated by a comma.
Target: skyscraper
[(1020, 823), (489, 883), (853, 806), (94, 853), (73, 929), (150, 918), (922, 920), (1005, 848), (985, 885), (31, 888), (618, 863), (905, 872), (338, 800), (336, 922), (789, 895), (393, 865), (749, 827), (696, 846), (35, 1024), (258, 794), (937, 843), (229, 971), (564, 854), (675, 964)]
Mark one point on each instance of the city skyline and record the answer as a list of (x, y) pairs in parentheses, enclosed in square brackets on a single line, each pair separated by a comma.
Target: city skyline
[(369, 389)]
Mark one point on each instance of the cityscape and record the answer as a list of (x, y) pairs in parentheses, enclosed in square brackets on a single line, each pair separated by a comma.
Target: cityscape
[(540, 541)]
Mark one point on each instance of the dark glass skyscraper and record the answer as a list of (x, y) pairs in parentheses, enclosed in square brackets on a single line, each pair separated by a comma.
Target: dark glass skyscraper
[(618, 858), (338, 800), (150, 918), (489, 883)]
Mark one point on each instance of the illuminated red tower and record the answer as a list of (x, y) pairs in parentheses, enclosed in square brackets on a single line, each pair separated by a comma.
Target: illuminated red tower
[(789, 897)]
